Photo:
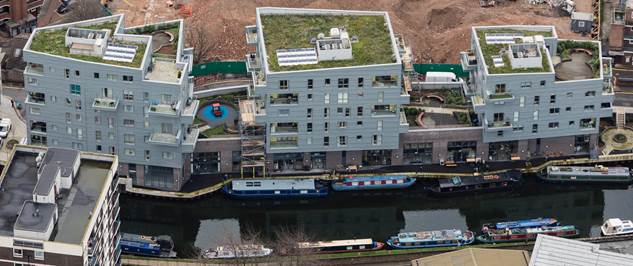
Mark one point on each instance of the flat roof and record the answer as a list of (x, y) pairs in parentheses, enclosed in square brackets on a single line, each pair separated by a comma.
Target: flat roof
[(551, 250), (476, 256), (35, 216), (293, 28)]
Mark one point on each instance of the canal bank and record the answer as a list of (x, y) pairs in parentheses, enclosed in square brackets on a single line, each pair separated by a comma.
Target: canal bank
[(210, 221)]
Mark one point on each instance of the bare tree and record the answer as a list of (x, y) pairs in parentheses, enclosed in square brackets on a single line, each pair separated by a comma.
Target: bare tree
[(238, 245), (200, 35), (288, 246), (84, 9)]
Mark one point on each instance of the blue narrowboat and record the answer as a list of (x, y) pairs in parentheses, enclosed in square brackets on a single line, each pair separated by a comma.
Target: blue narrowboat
[(373, 182), (154, 246), (529, 223), (276, 188), (428, 239)]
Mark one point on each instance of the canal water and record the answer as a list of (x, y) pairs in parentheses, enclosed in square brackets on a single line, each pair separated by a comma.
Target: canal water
[(214, 220)]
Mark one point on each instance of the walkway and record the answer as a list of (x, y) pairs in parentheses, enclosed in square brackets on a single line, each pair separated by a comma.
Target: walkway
[(18, 127)]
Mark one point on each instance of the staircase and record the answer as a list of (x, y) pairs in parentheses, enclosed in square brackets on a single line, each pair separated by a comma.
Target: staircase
[(620, 120)]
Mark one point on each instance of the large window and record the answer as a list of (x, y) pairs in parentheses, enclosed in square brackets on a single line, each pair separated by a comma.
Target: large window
[(459, 151), (385, 81), (343, 83), (75, 89), (418, 153)]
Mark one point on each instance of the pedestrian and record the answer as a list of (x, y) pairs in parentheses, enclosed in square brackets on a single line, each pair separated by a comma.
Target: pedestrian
[(12, 103)]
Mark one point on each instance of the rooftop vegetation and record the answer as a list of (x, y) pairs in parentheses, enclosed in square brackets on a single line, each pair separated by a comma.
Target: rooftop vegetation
[(565, 47), (52, 41), (490, 50), (374, 44), (173, 28)]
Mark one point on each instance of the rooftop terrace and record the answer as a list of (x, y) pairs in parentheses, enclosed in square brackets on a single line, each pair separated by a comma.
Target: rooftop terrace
[(293, 31)]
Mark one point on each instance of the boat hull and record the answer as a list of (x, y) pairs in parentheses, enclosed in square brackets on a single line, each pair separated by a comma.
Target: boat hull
[(526, 237), (586, 180), (435, 192), (435, 243), (378, 246), (340, 186), (284, 194)]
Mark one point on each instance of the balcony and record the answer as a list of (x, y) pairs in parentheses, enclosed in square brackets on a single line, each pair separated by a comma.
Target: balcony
[(251, 34), (383, 110), (38, 128), (252, 62), (34, 69), (189, 141), (500, 96), (284, 128), (406, 86), (164, 109), (189, 112), (284, 98), (498, 125), (166, 139), (106, 104), (468, 60), (607, 88), (384, 81), (607, 64), (36, 98), (284, 142)]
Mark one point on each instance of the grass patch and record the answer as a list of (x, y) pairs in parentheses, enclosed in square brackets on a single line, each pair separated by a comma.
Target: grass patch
[(214, 131), (412, 114), (295, 31), (490, 50), (52, 42)]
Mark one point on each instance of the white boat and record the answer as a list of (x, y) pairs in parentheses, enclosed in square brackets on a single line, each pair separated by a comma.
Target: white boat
[(237, 251), (615, 226)]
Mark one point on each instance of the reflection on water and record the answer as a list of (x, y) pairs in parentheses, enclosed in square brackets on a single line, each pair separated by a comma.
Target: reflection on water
[(207, 222)]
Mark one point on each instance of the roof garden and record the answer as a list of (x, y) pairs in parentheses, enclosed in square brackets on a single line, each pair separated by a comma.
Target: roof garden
[(500, 49), (372, 38), (52, 41)]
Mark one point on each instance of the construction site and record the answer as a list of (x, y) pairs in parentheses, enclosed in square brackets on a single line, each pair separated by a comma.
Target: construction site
[(435, 29)]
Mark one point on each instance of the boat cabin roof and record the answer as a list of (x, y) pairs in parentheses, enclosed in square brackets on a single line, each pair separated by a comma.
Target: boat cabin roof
[(272, 184), (430, 235), (588, 170), (336, 243), (459, 181), (239, 247), (374, 178), (617, 222), (526, 223)]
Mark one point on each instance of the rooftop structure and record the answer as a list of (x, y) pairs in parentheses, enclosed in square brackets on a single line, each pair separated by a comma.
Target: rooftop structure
[(476, 256), (301, 39), (53, 198), (551, 250)]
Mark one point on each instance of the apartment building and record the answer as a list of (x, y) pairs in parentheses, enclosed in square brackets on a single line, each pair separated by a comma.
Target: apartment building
[(324, 82), (621, 35), (527, 85), (98, 86), (59, 207), (19, 16)]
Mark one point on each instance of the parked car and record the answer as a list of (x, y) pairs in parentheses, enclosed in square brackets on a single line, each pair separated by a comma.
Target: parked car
[(5, 127), (63, 7)]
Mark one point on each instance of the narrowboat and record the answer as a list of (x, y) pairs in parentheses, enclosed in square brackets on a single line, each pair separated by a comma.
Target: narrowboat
[(373, 182), (525, 234), (237, 251), (537, 222), (341, 246), (427, 239), (154, 246), (475, 184), (587, 174), (276, 188), (616, 226)]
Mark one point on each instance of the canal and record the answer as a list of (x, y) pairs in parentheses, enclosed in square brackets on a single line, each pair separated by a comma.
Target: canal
[(213, 220)]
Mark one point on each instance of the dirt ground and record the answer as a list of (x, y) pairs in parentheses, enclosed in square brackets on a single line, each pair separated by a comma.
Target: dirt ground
[(437, 30)]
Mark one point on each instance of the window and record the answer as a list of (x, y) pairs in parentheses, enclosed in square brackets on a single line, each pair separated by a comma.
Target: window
[(78, 117), (283, 84), (534, 128), (99, 148), (128, 78), (310, 84), (129, 139), (342, 97), (326, 126), (361, 82), (537, 99), (553, 125), (326, 98), (500, 88), (526, 84), (589, 107), (77, 73), (342, 124), (572, 123), (35, 110), (147, 157), (516, 116), (327, 82), (54, 99), (569, 94), (552, 98), (75, 89), (381, 96), (554, 110), (359, 123), (376, 139), (309, 96), (78, 104), (67, 73), (517, 128), (542, 82), (498, 117), (339, 110), (168, 155), (326, 141), (96, 75), (17, 253), (309, 127), (128, 108), (605, 105), (359, 137), (128, 95), (499, 133), (98, 135), (284, 112), (32, 81), (522, 101), (347, 111), (568, 109), (128, 122), (146, 96), (590, 93), (309, 113), (110, 135), (343, 83), (110, 122), (342, 140), (326, 112), (80, 133), (68, 118), (359, 111), (129, 152)]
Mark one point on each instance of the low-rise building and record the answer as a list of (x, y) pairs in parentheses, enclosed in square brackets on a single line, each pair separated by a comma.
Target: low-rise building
[(59, 207), (552, 250)]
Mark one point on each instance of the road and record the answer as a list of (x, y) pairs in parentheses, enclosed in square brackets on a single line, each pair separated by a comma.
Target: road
[(18, 128)]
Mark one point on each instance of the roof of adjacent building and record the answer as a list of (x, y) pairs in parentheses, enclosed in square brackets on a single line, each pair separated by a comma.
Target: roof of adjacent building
[(616, 37), (46, 180), (476, 257), (582, 16), (553, 251), (35, 216), (294, 28)]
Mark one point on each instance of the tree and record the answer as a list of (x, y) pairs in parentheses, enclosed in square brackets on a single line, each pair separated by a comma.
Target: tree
[(84, 10), (200, 35), (288, 246)]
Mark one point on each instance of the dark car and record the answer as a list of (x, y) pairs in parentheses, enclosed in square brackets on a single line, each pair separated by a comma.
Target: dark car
[(63, 7)]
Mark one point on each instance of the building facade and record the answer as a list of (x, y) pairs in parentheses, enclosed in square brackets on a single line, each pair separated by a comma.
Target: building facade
[(98, 86), (61, 207), (19, 16)]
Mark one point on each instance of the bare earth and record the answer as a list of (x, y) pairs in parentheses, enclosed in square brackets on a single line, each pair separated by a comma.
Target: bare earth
[(437, 30)]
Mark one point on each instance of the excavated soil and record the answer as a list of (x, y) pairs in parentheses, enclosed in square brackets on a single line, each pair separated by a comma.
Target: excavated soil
[(437, 30)]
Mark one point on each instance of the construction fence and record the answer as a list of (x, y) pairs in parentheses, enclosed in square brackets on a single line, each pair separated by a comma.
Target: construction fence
[(239, 67)]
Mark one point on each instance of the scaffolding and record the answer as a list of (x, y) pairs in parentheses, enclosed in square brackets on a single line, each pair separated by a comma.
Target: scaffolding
[(253, 140)]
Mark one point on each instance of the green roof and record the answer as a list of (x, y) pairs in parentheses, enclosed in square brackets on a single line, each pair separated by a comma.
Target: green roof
[(52, 41), (374, 44), (489, 50)]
